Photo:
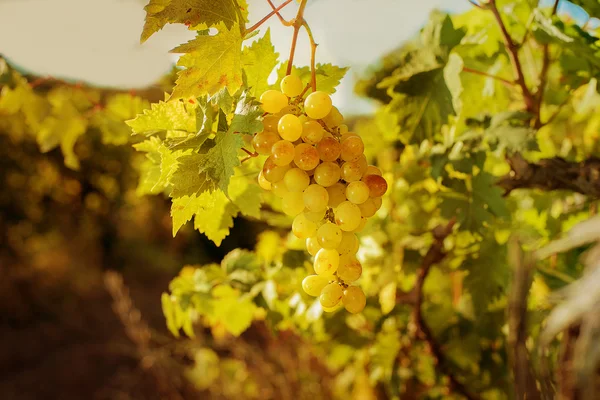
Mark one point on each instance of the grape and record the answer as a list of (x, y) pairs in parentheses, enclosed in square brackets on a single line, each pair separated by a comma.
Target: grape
[(290, 127), (378, 201), (312, 245), (349, 244), (347, 216), (369, 207), (352, 171), (315, 198), (332, 309), (312, 132), (314, 284), (361, 225), (352, 148), (337, 194), (334, 118), (270, 123), (349, 269), (331, 295), (356, 192), (377, 185), (306, 157), (373, 170), (264, 141), (263, 182), (291, 109), (292, 203), (326, 262), (342, 129), (297, 180), (272, 172), (279, 188), (273, 101), (327, 174), (329, 149), (315, 216), (303, 228), (346, 135), (354, 299), (283, 153), (329, 236), (291, 86), (317, 105)]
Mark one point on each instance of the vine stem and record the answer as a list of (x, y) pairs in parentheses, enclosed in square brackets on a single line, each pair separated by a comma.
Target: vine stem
[(297, 23), (266, 18), (313, 54), (503, 80), (281, 19)]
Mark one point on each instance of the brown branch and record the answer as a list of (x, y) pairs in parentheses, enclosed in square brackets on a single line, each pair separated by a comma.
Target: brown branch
[(281, 19), (434, 255), (313, 54), (269, 15), (553, 174), (477, 72)]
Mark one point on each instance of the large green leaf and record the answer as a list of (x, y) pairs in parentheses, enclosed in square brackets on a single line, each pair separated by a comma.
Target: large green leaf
[(258, 61)]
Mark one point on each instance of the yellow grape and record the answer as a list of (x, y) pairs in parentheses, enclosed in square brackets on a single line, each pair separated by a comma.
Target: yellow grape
[(297, 180), (342, 129), (290, 127), (332, 309), (327, 174), (302, 227), (312, 132), (353, 171), (369, 207), (292, 203), (337, 194), (354, 299), (315, 198), (352, 148), (349, 269), (270, 123), (347, 216), (264, 141), (273, 101), (306, 157), (373, 170), (291, 86), (331, 295), (346, 135), (263, 182), (315, 216), (361, 225), (272, 172), (329, 149), (326, 262), (282, 153), (313, 246), (349, 244), (291, 109), (334, 118), (356, 192), (329, 236), (377, 185), (314, 284), (317, 105), (279, 188)]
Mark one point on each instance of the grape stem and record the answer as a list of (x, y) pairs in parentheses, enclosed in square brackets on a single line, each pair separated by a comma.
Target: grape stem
[(250, 154), (297, 23), (266, 18), (477, 72), (313, 53), (281, 19)]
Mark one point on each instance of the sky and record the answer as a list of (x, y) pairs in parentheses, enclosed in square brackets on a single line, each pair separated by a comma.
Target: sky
[(97, 41)]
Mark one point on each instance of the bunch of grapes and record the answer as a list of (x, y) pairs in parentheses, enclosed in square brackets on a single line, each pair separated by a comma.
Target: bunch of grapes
[(318, 169)]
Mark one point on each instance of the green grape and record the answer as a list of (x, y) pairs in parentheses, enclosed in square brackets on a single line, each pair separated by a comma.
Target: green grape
[(312, 245), (306, 157), (291, 86), (315, 198), (272, 172), (290, 127), (302, 227), (312, 132), (283, 153), (329, 149), (263, 182), (369, 207), (337, 194), (331, 295), (353, 171), (349, 269), (327, 174), (317, 105), (354, 299), (329, 236), (334, 118), (376, 184), (280, 189), (372, 170), (349, 244), (314, 284), (270, 123), (352, 148), (342, 129), (315, 216), (264, 141), (347, 216), (292, 203), (361, 225), (326, 262), (356, 192), (297, 180), (273, 101)]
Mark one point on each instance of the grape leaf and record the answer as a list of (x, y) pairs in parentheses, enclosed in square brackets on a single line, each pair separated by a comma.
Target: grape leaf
[(246, 116), (165, 161), (258, 61), (164, 116), (189, 12), (219, 162), (329, 76), (246, 195), (118, 108), (188, 179), (232, 310), (223, 100), (212, 63)]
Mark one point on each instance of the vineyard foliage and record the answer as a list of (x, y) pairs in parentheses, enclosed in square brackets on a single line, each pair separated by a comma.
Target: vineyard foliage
[(463, 109)]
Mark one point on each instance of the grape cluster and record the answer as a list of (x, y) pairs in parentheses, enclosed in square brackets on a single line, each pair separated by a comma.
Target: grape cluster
[(318, 169)]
